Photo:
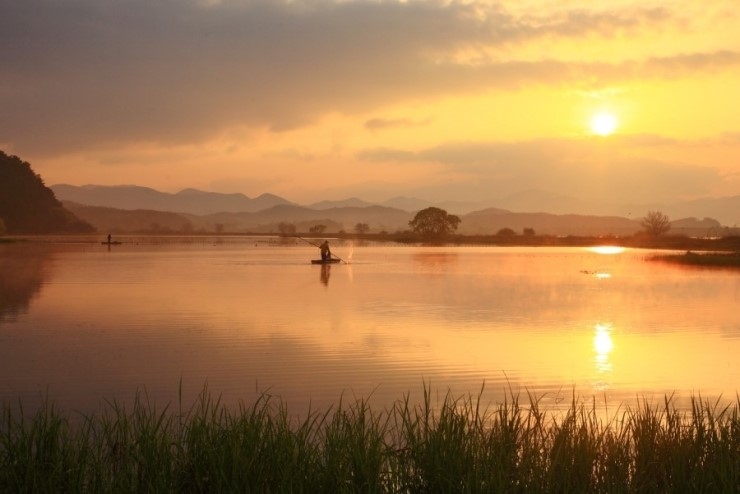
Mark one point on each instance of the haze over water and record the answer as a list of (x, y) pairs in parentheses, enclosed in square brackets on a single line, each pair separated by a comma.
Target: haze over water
[(81, 323)]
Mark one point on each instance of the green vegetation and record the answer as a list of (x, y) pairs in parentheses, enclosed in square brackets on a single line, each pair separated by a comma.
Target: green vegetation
[(456, 446), (28, 206)]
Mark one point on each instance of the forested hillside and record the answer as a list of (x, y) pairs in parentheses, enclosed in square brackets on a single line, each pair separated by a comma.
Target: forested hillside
[(27, 206)]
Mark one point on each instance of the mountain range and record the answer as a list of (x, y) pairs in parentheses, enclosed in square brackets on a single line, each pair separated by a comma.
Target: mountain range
[(134, 208), (191, 201)]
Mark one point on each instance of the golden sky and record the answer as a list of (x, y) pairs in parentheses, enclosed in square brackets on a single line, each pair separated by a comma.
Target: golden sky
[(328, 99)]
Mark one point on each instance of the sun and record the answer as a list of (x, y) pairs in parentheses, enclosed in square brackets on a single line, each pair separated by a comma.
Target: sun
[(604, 123)]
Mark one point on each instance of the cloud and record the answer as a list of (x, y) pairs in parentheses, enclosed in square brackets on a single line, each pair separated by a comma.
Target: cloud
[(80, 74), (377, 124), (587, 169)]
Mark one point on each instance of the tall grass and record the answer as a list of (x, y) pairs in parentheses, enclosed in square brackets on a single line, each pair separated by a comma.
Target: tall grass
[(458, 445)]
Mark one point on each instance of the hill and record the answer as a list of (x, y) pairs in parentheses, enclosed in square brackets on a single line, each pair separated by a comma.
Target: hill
[(266, 221), (378, 218), (492, 220), (129, 208), (27, 206), (112, 220), (192, 201)]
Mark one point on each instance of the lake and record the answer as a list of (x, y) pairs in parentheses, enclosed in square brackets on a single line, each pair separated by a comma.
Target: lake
[(81, 323)]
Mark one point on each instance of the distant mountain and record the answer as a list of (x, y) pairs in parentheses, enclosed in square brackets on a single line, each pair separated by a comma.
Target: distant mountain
[(490, 221), (191, 201), (266, 221), (724, 209), (706, 227), (112, 220), (378, 218), (28, 206), (407, 203), (485, 222), (351, 202), (542, 201), (197, 202), (413, 205)]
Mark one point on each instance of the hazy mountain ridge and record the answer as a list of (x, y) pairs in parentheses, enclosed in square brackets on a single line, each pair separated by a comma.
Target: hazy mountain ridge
[(548, 213), (113, 220), (494, 219), (350, 202), (487, 222), (191, 201)]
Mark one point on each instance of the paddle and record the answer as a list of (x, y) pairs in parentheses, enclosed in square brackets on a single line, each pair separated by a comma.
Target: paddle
[(316, 245)]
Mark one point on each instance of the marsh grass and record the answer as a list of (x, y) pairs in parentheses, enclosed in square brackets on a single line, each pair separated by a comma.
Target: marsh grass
[(706, 259), (448, 445)]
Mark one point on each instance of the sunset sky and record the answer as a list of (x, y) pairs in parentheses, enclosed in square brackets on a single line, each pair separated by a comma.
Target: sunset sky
[(329, 99)]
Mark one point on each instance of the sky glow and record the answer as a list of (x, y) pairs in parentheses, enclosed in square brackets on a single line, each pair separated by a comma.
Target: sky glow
[(314, 100), (604, 123)]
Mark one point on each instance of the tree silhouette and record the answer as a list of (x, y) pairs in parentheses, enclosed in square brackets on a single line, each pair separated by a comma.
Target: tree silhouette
[(656, 223), (434, 222)]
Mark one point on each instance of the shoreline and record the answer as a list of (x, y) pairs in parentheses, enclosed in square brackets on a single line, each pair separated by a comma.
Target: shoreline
[(704, 259), (729, 244)]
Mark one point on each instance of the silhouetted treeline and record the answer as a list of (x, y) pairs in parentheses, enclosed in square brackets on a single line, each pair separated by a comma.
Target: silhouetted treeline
[(28, 206)]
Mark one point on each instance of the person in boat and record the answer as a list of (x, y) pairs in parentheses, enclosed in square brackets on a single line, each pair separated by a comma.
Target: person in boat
[(109, 238), (325, 251)]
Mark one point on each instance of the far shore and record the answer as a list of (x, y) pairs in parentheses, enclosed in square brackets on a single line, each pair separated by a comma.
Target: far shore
[(728, 244), (705, 259)]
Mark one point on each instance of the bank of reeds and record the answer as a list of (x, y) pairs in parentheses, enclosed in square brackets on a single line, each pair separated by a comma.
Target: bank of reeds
[(707, 259), (458, 445)]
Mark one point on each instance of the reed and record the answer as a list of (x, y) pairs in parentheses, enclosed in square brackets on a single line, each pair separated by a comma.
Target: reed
[(452, 444)]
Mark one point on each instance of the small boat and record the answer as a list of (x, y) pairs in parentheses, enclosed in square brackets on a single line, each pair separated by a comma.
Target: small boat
[(113, 242), (325, 261)]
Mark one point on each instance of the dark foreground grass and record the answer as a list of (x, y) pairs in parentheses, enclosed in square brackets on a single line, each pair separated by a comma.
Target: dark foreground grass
[(454, 446)]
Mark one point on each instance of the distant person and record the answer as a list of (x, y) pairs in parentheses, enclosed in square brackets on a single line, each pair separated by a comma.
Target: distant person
[(325, 251), (109, 238)]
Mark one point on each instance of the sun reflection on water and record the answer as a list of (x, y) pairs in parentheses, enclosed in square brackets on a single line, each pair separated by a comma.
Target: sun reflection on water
[(603, 346), (607, 249)]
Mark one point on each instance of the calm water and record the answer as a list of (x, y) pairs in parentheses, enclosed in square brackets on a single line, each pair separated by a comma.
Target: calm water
[(81, 323)]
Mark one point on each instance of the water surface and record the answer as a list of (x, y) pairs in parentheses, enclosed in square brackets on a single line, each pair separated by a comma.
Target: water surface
[(81, 322)]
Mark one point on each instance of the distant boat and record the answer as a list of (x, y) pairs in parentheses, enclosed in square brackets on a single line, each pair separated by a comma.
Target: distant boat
[(325, 261), (111, 242)]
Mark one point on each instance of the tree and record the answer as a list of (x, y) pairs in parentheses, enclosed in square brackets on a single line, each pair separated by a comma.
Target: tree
[(434, 222), (506, 232), (656, 223), (286, 229), (317, 229), (361, 228), (528, 232)]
